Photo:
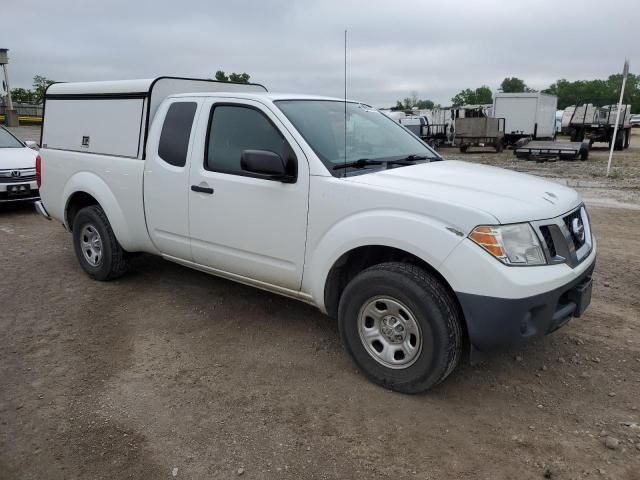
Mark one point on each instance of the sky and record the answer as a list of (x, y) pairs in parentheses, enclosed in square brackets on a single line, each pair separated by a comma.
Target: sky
[(433, 48)]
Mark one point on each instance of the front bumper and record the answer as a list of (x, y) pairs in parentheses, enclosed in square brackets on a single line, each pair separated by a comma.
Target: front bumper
[(494, 322), (30, 194)]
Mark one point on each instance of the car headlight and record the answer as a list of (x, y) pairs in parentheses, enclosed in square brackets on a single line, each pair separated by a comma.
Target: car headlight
[(515, 244)]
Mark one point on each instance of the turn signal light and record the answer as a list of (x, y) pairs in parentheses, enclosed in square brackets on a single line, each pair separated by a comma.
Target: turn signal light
[(488, 238)]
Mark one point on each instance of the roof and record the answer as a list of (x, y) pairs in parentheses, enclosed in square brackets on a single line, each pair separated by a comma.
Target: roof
[(272, 96), (142, 85)]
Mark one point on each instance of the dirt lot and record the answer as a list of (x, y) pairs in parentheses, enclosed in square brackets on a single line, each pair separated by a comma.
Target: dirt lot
[(169, 372)]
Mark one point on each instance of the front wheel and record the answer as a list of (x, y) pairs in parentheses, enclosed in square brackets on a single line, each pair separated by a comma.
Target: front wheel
[(97, 249), (401, 326)]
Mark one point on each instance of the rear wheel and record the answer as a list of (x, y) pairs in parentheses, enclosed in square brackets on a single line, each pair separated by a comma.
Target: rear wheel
[(96, 247), (628, 138), (621, 140), (401, 326), (463, 148), (584, 149)]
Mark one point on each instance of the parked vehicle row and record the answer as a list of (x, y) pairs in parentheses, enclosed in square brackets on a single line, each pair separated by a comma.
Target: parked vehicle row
[(17, 169)]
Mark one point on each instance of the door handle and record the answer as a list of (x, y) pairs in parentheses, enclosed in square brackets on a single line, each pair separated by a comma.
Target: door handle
[(199, 189)]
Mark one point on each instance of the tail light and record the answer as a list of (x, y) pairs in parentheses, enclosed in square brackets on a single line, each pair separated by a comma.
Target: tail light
[(38, 171)]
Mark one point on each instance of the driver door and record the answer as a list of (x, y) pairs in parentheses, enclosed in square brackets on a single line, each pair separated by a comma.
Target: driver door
[(240, 224)]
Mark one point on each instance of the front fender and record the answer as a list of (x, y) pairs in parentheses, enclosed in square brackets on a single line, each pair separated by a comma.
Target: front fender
[(425, 237)]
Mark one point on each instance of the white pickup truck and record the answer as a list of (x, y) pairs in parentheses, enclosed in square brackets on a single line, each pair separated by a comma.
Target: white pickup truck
[(323, 200)]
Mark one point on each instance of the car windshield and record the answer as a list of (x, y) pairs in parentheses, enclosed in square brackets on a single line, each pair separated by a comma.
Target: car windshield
[(8, 141), (372, 139)]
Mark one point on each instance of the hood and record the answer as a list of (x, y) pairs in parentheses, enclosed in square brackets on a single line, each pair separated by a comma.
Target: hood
[(508, 196), (14, 158)]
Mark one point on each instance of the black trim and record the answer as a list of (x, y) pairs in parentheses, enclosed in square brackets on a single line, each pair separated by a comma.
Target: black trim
[(44, 107), (495, 323), (150, 93), (97, 96), (199, 189), (287, 145)]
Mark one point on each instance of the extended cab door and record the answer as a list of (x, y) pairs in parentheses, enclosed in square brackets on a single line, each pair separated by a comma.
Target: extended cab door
[(166, 177), (240, 223)]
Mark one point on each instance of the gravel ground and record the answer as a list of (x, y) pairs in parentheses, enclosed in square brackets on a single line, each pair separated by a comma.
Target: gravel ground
[(170, 373)]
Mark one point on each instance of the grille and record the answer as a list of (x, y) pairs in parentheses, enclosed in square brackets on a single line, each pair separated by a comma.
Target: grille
[(546, 234), (22, 179), (568, 221)]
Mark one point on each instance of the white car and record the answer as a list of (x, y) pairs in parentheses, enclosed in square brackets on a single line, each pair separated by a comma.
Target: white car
[(17, 169), (322, 200), (635, 120)]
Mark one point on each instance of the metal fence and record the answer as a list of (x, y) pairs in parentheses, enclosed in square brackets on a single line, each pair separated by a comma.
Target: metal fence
[(24, 109)]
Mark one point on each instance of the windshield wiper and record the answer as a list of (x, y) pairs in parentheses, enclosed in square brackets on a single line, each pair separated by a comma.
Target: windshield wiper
[(360, 163), (365, 162), (408, 160)]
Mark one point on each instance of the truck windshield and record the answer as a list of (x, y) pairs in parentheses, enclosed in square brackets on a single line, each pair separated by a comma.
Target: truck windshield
[(8, 141), (373, 140)]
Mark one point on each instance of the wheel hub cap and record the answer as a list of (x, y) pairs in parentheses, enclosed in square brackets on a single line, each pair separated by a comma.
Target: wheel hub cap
[(392, 329), (91, 245), (390, 333)]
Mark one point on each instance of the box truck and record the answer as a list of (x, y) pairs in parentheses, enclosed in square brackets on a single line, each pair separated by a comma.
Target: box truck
[(531, 115)]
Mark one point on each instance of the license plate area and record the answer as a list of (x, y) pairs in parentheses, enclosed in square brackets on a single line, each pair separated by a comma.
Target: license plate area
[(581, 296), (18, 190)]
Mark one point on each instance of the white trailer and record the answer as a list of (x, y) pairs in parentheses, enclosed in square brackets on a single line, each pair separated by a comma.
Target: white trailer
[(531, 115)]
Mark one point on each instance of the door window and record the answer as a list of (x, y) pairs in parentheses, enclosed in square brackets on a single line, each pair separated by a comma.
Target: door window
[(176, 130), (233, 129)]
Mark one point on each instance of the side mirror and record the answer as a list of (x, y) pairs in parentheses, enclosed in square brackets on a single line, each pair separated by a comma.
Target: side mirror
[(268, 165), (32, 145)]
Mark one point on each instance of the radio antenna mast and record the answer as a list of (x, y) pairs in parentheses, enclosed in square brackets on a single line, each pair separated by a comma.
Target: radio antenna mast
[(345, 104)]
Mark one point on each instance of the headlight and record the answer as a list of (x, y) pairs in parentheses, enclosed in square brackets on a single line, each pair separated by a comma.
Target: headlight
[(511, 244)]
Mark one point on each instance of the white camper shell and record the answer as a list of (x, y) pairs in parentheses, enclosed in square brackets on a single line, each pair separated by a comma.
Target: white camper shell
[(118, 126), (526, 114)]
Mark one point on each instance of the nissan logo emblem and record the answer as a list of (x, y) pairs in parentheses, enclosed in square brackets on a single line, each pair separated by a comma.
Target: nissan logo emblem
[(577, 227), (15, 173)]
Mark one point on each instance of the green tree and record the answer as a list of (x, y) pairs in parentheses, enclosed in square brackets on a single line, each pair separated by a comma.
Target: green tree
[(599, 92), (22, 95), (409, 103), (232, 77), (480, 96), (221, 77), (514, 85), (40, 84)]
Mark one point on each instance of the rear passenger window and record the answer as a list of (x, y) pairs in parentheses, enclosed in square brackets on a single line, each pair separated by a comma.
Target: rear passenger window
[(235, 129), (174, 139)]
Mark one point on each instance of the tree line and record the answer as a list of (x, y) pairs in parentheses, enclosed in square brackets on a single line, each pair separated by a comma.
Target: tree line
[(599, 92)]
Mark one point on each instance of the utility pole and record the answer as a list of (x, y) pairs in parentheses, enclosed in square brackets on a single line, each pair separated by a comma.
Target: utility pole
[(11, 115), (625, 73)]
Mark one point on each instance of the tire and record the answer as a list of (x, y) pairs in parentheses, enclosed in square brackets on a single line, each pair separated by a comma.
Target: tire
[(627, 142), (584, 150), (96, 247), (620, 140), (498, 145), (463, 148), (431, 342)]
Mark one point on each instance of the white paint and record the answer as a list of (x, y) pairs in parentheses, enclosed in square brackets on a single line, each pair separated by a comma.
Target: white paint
[(286, 237)]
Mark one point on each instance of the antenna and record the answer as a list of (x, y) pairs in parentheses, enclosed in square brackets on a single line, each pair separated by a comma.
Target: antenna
[(345, 104)]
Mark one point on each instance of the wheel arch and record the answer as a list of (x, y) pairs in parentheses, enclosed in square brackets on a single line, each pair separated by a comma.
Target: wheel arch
[(357, 259), (85, 189)]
